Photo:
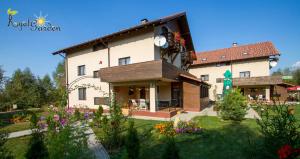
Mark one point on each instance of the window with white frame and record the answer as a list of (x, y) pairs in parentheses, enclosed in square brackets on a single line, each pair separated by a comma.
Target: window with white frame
[(81, 93), (204, 77), (124, 61), (245, 74), (81, 70), (96, 74)]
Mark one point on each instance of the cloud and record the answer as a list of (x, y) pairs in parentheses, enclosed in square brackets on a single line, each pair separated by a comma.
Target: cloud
[(296, 65)]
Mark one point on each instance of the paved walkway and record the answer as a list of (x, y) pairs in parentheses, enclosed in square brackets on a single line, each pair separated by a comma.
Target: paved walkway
[(96, 146), (251, 114), (93, 143), (185, 116)]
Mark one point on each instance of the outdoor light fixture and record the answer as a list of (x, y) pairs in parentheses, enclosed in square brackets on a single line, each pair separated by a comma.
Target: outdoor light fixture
[(273, 62)]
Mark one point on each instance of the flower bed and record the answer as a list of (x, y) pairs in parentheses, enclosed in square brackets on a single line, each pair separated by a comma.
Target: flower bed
[(181, 127)]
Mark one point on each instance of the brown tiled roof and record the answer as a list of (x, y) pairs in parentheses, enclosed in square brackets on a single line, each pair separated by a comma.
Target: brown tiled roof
[(262, 49), (182, 21), (193, 78)]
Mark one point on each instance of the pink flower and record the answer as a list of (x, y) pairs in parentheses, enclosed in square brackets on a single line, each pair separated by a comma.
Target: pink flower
[(56, 117), (69, 111), (63, 122)]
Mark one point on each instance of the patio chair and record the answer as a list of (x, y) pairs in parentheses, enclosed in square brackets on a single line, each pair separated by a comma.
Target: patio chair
[(260, 97), (249, 97), (142, 104), (134, 103)]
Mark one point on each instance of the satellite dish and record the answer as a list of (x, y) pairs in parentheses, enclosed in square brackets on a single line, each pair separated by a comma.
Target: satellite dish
[(160, 41), (273, 63), (166, 45)]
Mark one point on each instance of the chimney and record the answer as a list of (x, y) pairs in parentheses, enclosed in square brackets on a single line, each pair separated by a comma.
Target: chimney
[(234, 44), (144, 21)]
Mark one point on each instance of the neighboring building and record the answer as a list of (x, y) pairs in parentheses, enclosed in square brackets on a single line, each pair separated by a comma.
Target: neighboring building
[(154, 79), (250, 68)]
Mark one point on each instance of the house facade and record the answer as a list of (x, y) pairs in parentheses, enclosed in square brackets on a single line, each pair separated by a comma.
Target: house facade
[(250, 67), (129, 66), (158, 80)]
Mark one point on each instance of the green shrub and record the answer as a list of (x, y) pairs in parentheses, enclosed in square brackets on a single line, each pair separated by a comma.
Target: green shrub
[(112, 127), (171, 151), (37, 148), (233, 106), (98, 116), (68, 143), (279, 127), (4, 152), (132, 143), (77, 114)]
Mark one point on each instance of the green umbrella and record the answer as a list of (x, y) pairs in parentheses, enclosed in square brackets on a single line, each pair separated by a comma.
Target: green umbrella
[(227, 84)]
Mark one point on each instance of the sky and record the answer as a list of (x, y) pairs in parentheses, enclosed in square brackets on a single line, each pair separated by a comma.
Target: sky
[(214, 24)]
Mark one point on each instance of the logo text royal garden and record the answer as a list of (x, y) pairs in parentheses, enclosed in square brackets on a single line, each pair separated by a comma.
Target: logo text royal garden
[(40, 23)]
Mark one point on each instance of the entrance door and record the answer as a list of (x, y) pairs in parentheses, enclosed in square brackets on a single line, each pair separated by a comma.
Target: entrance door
[(176, 94), (243, 91), (142, 93)]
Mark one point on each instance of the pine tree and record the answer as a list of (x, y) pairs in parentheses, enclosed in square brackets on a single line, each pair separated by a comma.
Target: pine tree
[(132, 142)]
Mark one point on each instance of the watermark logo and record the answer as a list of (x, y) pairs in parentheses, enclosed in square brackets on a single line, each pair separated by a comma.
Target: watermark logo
[(11, 12), (40, 23)]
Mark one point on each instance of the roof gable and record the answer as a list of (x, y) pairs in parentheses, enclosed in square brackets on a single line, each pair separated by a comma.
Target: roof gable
[(243, 52), (181, 17)]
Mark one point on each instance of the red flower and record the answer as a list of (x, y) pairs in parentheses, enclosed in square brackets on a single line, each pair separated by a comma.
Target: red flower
[(177, 36), (288, 151), (285, 151)]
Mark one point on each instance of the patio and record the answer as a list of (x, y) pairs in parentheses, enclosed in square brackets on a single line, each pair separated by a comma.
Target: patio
[(135, 99)]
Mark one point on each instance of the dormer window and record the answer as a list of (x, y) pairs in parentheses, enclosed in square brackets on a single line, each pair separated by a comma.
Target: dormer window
[(204, 59), (245, 53), (223, 57)]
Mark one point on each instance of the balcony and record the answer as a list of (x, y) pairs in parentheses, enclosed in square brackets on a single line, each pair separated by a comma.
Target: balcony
[(143, 71)]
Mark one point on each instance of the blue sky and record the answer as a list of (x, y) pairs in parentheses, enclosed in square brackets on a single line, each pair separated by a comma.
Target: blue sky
[(213, 23)]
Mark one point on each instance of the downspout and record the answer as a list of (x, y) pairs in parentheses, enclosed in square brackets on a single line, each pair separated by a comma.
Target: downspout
[(109, 85), (108, 63), (67, 76), (67, 80)]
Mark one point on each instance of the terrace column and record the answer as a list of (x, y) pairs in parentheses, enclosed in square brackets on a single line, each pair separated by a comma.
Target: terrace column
[(268, 93), (153, 96)]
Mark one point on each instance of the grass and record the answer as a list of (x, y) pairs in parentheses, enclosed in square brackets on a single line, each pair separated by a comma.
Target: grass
[(24, 125), (219, 140), (16, 127), (18, 146)]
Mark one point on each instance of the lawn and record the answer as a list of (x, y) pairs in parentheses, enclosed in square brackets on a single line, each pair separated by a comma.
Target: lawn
[(16, 127), (219, 140), (18, 146), (23, 125)]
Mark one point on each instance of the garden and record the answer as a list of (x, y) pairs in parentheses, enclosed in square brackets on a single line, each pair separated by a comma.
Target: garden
[(59, 132)]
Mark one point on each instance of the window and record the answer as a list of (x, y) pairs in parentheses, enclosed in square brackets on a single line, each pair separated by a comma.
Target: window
[(124, 61), (245, 74), (222, 64), (223, 57), (204, 59), (101, 100), (96, 74), (219, 80), (81, 70), (82, 93), (204, 77)]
